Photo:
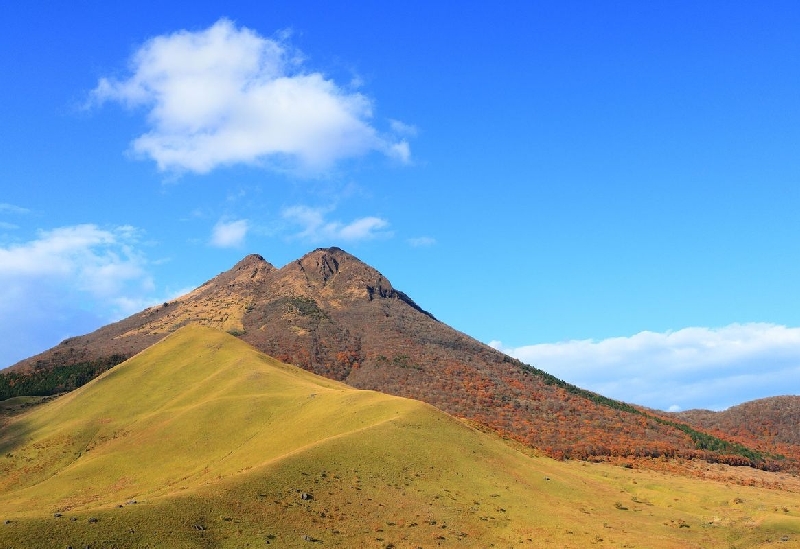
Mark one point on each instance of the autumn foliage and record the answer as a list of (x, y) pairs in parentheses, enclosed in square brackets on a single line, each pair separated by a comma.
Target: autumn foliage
[(331, 314)]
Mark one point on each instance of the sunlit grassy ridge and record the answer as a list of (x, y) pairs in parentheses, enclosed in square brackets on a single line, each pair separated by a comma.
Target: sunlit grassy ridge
[(221, 446), (196, 408)]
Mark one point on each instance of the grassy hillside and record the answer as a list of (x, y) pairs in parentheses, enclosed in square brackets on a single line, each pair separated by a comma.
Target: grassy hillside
[(200, 441)]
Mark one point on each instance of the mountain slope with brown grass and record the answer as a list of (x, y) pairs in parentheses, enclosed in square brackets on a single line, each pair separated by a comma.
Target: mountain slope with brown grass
[(332, 314)]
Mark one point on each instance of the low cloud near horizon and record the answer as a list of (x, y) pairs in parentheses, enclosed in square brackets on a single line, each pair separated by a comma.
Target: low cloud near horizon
[(711, 368), (227, 95)]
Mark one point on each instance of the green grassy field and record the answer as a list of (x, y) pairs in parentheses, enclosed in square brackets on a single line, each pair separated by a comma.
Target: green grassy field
[(201, 441)]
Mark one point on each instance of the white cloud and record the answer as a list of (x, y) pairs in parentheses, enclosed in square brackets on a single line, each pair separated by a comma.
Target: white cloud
[(227, 95), (316, 228), (360, 229), (421, 241), (65, 282), (99, 261), (690, 368), (229, 234)]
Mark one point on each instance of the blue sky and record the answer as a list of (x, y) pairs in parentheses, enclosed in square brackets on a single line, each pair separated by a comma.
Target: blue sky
[(606, 190)]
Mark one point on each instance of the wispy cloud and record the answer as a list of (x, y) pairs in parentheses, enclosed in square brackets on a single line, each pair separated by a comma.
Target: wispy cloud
[(400, 151), (315, 227), (11, 208), (229, 234), (401, 128), (68, 280), (421, 241), (689, 368), (227, 95)]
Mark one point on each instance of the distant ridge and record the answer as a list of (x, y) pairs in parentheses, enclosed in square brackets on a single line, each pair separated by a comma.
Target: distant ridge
[(767, 423), (332, 314)]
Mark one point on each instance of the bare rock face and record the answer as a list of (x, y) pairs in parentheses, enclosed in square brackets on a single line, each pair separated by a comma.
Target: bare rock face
[(330, 313)]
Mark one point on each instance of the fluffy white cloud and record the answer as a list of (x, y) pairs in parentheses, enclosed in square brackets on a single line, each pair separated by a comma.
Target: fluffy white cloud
[(227, 95), (229, 234), (688, 368), (66, 281), (316, 228)]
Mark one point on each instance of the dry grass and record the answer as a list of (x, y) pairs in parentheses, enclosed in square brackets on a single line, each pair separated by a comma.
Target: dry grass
[(217, 444)]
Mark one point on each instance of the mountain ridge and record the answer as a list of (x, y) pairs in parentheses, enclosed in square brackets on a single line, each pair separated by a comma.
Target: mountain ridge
[(330, 313), (770, 422)]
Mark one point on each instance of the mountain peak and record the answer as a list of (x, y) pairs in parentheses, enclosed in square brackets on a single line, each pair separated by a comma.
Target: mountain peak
[(332, 256), (334, 268), (325, 262), (330, 250), (252, 260), (251, 268)]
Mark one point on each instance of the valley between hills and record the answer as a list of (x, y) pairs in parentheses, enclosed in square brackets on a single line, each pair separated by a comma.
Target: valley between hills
[(316, 404)]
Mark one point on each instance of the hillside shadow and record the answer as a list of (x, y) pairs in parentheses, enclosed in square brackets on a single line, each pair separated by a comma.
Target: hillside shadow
[(13, 432)]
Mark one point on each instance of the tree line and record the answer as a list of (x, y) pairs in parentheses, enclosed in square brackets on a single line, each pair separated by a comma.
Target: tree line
[(52, 381)]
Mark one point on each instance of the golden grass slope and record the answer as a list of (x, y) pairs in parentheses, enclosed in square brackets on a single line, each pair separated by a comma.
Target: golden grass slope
[(199, 407), (221, 446)]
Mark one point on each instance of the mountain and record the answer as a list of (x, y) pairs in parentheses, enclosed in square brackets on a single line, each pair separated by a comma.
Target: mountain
[(332, 314), (769, 424), (202, 441)]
